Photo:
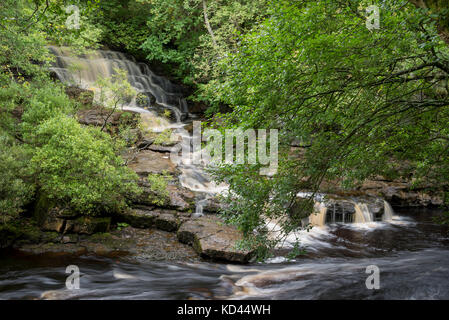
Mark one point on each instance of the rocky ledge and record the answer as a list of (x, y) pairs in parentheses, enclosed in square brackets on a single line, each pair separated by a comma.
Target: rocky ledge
[(209, 236)]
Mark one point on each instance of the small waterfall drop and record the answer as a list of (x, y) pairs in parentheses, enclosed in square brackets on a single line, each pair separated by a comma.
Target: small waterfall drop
[(199, 208), (318, 218), (388, 212), (362, 213)]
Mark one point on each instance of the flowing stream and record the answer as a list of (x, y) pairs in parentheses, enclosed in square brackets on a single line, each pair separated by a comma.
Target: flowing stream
[(411, 253), (410, 250)]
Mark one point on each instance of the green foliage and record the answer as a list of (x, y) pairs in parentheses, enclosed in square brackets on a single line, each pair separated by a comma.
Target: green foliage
[(360, 101), (116, 90), (16, 189), (178, 34), (122, 225), (164, 137), (158, 186), (79, 166)]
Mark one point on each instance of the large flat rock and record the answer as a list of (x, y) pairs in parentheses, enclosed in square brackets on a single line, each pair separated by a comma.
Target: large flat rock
[(149, 162), (211, 238)]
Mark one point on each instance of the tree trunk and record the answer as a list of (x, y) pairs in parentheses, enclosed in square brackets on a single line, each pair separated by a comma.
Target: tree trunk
[(206, 21)]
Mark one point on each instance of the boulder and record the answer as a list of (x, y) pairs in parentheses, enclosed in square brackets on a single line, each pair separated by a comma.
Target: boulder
[(164, 148), (211, 238)]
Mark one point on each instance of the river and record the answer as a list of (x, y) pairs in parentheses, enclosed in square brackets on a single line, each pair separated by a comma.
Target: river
[(411, 253)]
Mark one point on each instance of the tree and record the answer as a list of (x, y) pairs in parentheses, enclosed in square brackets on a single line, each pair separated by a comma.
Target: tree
[(115, 92), (79, 167), (194, 35), (361, 102)]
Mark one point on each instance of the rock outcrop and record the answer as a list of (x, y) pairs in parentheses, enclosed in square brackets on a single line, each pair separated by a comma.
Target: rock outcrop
[(149, 162), (402, 194), (211, 238)]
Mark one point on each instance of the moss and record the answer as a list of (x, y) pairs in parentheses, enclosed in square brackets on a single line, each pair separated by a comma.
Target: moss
[(41, 209), (19, 231)]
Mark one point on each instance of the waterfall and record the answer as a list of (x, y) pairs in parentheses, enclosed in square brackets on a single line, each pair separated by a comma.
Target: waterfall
[(199, 208), (362, 213), (84, 70), (318, 218), (388, 212)]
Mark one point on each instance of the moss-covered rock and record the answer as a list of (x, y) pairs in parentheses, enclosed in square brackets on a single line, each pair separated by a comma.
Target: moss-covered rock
[(88, 225)]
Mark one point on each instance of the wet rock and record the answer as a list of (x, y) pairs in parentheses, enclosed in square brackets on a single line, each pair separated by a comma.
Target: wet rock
[(70, 238), (211, 238), (181, 199), (213, 205), (197, 107), (54, 249), (87, 225), (166, 220), (149, 162)]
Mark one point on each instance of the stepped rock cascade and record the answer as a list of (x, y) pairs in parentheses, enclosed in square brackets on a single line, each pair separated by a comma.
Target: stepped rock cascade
[(330, 209), (84, 71)]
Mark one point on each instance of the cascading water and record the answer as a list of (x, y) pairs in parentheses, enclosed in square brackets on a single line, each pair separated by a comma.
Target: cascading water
[(330, 209), (85, 70), (362, 213), (412, 245)]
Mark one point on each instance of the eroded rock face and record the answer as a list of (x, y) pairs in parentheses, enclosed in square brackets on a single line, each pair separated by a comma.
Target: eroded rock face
[(401, 193), (129, 243), (87, 225), (166, 220), (211, 238)]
